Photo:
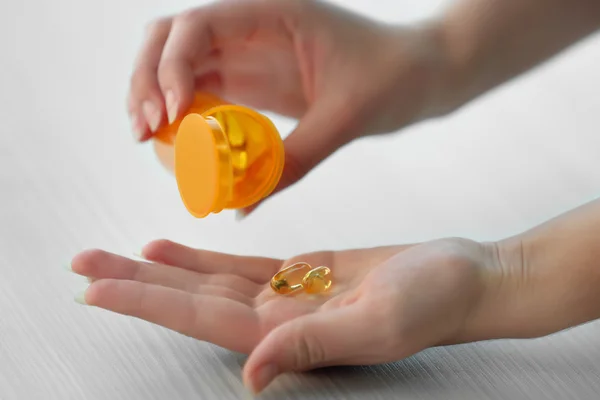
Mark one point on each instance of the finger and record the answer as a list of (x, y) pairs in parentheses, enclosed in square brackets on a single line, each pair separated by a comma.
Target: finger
[(139, 126), (145, 98), (209, 82), (194, 36), (316, 340), (257, 269), (318, 135), (99, 264), (223, 322)]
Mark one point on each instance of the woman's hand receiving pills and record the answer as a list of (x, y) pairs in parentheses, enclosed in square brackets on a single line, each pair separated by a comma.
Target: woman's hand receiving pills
[(384, 304), (340, 74)]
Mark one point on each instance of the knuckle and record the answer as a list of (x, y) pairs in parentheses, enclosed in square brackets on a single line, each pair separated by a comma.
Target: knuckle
[(139, 273), (310, 350), (165, 66), (170, 68), (140, 77)]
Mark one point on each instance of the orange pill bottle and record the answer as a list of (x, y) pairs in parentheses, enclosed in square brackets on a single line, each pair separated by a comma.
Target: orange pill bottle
[(223, 156)]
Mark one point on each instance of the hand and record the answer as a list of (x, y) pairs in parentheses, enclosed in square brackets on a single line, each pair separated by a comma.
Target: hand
[(385, 303), (342, 75)]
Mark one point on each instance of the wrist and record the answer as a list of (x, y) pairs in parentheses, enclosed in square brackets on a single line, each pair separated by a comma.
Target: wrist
[(487, 43), (448, 83), (492, 315), (562, 272), (460, 79), (418, 75), (521, 298), (445, 67), (542, 285)]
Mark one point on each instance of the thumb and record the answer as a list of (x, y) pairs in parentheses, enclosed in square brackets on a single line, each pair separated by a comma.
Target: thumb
[(320, 132), (316, 340)]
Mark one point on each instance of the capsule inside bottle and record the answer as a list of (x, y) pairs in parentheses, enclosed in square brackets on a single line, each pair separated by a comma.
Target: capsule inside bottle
[(289, 279), (237, 138)]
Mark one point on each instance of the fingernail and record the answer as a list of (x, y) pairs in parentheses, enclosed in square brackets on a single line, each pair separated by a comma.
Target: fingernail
[(136, 127), (67, 267), (80, 298), (139, 254), (240, 215), (171, 105), (152, 114), (263, 376)]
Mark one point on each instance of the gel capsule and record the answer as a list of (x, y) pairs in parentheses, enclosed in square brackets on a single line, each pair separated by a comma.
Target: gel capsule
[(236, 137), (317, 280), (239, 160), (289, 279)]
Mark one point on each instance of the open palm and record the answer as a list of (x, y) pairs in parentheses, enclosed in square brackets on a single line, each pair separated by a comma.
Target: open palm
[(385, 304), (219, 298)]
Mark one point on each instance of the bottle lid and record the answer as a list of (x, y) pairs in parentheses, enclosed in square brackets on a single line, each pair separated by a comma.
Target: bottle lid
[(225, 156), (202, 165)]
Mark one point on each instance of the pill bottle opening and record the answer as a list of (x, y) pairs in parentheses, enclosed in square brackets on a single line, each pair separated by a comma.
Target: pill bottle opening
[(256, 153), (227, 157)]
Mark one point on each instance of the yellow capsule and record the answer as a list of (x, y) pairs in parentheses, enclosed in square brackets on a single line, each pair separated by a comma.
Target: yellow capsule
[(317, 280), (289, 279), (236, 135), (239, 160)]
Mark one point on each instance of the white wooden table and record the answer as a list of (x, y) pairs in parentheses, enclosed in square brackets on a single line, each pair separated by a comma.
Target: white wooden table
[(71, 178)]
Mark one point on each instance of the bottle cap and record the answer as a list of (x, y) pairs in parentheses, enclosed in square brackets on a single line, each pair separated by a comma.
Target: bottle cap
[(204, 159), (202, 165)]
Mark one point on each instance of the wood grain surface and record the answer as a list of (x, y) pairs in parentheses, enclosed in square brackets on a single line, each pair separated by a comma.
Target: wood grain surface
[(71, 178)]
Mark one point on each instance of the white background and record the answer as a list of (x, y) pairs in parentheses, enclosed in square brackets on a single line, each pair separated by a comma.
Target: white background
[(71, 177)]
